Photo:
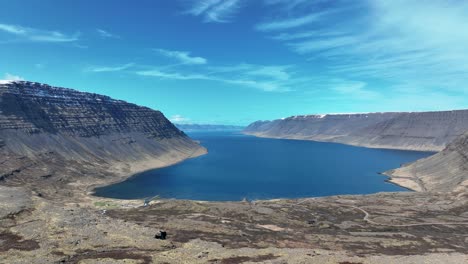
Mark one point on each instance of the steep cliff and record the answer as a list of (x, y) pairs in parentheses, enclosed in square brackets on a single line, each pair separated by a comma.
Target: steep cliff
[(41, 124), (444, 171), (428, 131)]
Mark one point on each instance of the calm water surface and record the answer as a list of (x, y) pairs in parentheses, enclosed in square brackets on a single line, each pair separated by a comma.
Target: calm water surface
[(239, 166)]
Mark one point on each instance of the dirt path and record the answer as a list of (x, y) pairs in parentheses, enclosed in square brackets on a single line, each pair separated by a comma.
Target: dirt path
[(367, 215), (370, 221)]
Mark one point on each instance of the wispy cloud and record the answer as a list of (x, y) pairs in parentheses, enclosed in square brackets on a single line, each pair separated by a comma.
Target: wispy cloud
[(38, 35), (179, 119), (413, 44), (106, 34), (109, 68), (79, 46), (290, 4), (269, 78), (356, 89), (13, 29), (220, 11), (263, 78), (12, 77), (182, 56), (320, 44), (291, 22), (274, 72), (174, 75), (307, 34)]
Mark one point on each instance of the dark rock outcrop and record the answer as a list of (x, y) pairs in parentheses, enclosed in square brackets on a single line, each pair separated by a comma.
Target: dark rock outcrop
[(162, 235), (427, 131)]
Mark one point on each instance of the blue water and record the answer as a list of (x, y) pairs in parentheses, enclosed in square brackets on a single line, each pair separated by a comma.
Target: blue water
[(239, 166)]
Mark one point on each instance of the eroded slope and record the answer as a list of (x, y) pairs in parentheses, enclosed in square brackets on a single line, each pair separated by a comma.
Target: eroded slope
[(444, 171)]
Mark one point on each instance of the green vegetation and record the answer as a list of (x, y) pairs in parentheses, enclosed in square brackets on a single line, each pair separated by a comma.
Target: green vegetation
[(108, 204)]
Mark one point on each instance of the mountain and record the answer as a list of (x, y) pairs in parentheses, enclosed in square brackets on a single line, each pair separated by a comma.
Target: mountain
[(444, 171), (206, 127), (425, 131), (41, 124)]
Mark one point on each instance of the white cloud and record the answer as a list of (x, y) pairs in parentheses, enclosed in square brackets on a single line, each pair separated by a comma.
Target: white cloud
[(11, 77), (220, 11), (179, 119), (173, 75), (13, 29), (353, 89), (267, 86), (106, 34), (38, 35), (274, 72), (110, 68), (182, 56), (8, 78)]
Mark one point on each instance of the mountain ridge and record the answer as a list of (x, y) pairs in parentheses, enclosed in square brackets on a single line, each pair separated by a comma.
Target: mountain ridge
[(422, 131)]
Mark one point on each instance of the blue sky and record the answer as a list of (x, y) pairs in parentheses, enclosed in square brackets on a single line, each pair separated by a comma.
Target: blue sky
[(238, 61)]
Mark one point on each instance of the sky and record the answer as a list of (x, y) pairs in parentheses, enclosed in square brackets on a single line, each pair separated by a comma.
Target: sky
[(237, 61)]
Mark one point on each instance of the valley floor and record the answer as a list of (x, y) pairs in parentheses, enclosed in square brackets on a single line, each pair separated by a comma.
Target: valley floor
[(54, 221)]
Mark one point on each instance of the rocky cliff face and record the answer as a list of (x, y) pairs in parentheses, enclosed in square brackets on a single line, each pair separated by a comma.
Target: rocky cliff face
[(39, 122), (444, 171), (428, 131), (38, 108)]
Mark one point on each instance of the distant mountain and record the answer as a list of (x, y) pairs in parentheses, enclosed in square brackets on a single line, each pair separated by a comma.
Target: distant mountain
[(426, 131), (444, 171), (204, 127)]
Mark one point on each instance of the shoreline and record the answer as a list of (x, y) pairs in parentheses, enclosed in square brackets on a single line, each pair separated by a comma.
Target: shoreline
[(389, 180), (434, 151), (123, 177), (399, 180)]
